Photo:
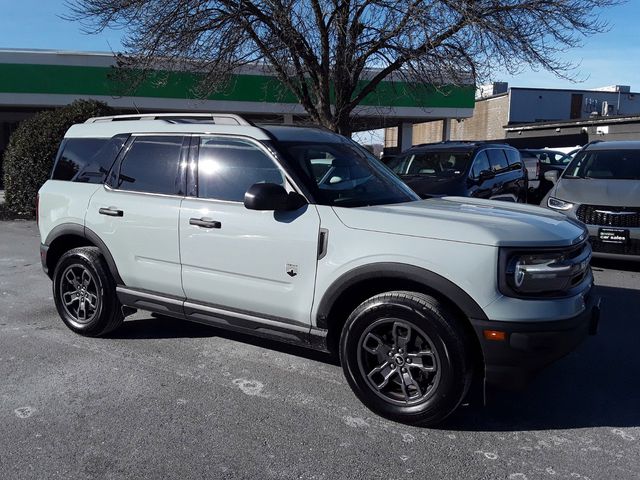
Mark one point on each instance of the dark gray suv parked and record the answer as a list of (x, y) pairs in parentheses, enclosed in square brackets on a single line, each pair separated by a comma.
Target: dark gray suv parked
[(601, 187)]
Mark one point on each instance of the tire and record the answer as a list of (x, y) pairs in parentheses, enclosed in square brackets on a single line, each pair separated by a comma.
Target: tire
[(420, 388), (85, 293)]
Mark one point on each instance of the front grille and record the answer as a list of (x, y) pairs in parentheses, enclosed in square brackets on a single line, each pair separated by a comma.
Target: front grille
[(623, 217), (631, 247)]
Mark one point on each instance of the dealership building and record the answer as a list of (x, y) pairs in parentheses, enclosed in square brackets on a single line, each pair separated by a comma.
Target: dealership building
[(33, 80)]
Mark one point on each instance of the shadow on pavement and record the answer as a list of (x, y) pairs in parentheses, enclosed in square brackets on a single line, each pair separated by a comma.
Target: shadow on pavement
[(597, 385), (625, 265), (159, 326)]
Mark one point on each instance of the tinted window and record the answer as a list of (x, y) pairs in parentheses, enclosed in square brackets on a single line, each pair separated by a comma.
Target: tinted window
[(611, 164), (152, 165), (228, 167), (497, 159), (480, 163), (513, 157), (87, 159), (433, 163)]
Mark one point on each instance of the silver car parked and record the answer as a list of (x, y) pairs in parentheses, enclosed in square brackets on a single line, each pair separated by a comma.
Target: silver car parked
[(601, 188)]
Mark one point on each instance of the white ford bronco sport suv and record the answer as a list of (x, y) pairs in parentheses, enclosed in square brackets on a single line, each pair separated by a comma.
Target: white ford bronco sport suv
[(300, 235)]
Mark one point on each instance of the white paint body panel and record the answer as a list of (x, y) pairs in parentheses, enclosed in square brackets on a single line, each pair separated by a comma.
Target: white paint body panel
[(349, 248), (466, 220), (144, 241), (470, 266), (243, 264), (63, 202)]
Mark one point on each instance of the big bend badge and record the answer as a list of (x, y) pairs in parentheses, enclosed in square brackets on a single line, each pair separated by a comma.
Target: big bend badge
[(292, 270)]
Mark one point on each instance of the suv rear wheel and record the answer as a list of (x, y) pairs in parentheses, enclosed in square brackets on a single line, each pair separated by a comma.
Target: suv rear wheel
[(406, 358), (85, 293)]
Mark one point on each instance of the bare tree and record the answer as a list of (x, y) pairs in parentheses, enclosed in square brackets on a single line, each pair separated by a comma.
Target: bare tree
[(332, 54)]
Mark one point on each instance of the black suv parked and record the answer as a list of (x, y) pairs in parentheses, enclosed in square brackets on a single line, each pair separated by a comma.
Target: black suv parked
[(469, 169)]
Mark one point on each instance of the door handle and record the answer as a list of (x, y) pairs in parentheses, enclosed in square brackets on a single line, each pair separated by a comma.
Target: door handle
[(111, 212), (205, 223)]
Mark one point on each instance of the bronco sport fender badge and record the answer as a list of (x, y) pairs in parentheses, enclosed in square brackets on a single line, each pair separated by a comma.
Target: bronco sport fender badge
[(292, 270)]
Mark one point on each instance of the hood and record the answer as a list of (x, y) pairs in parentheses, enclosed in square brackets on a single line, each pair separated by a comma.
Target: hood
[(595, 191), (468, 220), (424, 185)]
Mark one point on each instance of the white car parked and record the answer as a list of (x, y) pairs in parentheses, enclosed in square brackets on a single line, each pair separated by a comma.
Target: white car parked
[(301, 235)]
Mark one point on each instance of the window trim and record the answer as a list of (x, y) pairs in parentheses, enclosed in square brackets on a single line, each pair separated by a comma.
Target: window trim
[(113, 175), (192, 179)]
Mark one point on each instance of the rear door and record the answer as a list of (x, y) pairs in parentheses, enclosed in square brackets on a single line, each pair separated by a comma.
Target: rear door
[(505, 181), (520, 184), (136, 213), (244, 263)]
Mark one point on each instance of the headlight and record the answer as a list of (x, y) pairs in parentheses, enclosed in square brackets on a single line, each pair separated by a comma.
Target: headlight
[(557, 204), (552, 273)]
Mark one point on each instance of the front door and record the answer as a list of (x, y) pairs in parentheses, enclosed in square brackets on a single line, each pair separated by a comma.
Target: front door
[(481, 187), (260, 263)]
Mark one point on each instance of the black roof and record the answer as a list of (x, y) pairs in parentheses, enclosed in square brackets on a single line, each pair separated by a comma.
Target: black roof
[(458, 145), (297, 133), (614, 145)]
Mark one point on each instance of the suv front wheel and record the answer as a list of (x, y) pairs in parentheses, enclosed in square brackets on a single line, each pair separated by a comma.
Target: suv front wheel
[(406, 358), (85, 293)]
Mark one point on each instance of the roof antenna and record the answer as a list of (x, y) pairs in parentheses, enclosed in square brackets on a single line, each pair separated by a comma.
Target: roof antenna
[(135, 106)]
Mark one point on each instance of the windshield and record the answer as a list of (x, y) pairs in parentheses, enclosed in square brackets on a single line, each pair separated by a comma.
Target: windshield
[(343, 174), (432, 164), (611, 164)]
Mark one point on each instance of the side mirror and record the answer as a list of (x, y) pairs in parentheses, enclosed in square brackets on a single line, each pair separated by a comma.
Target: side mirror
[(269, 196), (552, 176), (486, 175)]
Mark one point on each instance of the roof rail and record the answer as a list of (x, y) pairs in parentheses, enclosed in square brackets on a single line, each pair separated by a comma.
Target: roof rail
[(218, 118), (464, 142)]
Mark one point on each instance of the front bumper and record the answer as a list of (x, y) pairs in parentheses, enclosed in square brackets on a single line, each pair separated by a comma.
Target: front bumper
[(530, 346)]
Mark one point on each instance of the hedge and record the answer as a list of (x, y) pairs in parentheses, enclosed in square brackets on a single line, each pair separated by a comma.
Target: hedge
[(32, 147)]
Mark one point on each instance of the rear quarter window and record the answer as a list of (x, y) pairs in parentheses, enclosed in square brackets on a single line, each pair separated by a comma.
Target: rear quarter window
[(514, 159), (87, 160)]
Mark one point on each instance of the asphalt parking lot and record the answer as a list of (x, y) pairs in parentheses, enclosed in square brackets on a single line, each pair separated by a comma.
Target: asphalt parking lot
[(168, 399)]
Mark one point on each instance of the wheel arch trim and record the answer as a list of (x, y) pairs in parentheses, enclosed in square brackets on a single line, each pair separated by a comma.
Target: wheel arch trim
[(381, 270), (79, 230)]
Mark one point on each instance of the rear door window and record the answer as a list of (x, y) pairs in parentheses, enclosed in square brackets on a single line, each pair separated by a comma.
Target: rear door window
[(87, 160), (498, 160), (152, 165)]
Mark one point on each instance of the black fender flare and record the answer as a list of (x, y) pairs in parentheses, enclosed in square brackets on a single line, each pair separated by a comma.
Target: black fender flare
[(84, 232), (429, 279)]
